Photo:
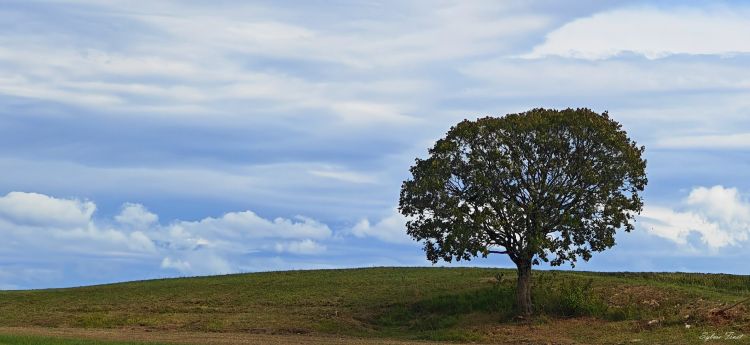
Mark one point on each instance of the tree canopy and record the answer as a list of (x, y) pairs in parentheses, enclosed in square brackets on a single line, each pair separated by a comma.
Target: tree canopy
[(543, 185)]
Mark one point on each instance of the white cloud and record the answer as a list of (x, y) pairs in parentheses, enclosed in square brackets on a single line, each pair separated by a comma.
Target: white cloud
[(22, 87), (249, 225), (36, 222), (201, 60), (32, 224), (304, 247), (198, 263), (176, 237), (216, 245), (432, 32), (140, 241), (223, 33), (652, 32), (282, 185), (719, 215), (585, 79), (343, 175), (136, 216), (723, 204), (180, 265), (389, 229), (676, 226), (368, 112), (40, 210)]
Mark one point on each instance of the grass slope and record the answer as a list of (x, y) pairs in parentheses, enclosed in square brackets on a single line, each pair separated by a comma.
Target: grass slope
[(462, 304)]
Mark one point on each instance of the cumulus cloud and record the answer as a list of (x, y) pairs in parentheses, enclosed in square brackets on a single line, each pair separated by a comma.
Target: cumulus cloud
[(36, 223), (652, 32), (236, 234), (198, 263), (676, 226), (307, 246), (136, 215), (38, 210), (389, 229), (180, 265), (719, 216), (247, 224)]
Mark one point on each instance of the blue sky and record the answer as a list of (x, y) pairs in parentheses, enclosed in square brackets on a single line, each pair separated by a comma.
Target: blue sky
[(143, 139)]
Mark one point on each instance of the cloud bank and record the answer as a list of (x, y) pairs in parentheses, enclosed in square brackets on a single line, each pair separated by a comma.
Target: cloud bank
[(650, 31), (34, 223), (718, 216), (37, 226)]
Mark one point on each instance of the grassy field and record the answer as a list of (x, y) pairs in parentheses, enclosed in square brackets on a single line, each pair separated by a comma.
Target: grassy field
[(34, 340), (405, 304)]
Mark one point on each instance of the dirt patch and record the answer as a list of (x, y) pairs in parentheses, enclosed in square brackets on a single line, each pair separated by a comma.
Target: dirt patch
[(554, 332), (647, 296), (490, 280), (177, 337), (723, 316)]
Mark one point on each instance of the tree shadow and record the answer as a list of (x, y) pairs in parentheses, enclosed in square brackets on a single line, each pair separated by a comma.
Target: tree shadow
[(554, 296)]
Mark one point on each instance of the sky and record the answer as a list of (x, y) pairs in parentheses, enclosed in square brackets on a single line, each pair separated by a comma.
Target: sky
[(152, 139)]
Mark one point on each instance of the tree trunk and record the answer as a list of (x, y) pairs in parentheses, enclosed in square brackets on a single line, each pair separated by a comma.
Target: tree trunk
[(523, 290)]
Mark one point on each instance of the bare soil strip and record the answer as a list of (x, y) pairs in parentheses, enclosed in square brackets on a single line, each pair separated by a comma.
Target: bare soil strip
[(178, 337)]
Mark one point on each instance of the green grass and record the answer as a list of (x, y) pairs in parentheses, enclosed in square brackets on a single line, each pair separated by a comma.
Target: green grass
[(36, 340), (407, 303)]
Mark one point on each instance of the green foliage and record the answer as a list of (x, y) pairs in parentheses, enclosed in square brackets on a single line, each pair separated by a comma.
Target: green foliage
[(543, 185), (568, 296)]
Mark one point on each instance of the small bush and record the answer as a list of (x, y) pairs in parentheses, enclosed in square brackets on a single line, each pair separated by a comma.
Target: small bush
[(567, 297), (627, 312)]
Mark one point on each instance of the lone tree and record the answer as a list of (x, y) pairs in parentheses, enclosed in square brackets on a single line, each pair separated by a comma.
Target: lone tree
[(543, 185)]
